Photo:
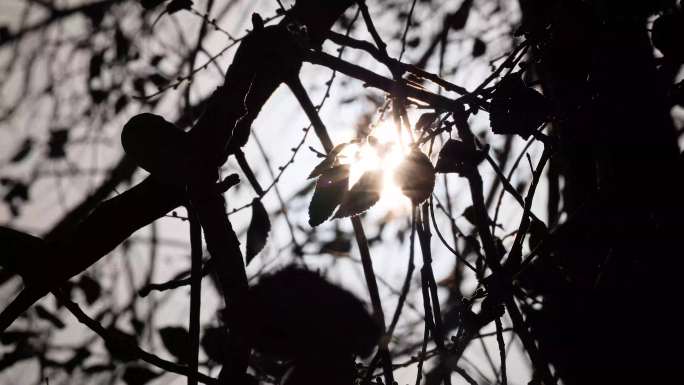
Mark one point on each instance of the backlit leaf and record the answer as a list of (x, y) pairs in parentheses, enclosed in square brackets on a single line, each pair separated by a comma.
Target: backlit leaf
[(258, 230), (331, 188), (362, 196), (416, 176), (426, 120)]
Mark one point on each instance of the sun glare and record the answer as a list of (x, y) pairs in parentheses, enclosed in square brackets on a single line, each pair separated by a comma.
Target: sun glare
[(384, 150)]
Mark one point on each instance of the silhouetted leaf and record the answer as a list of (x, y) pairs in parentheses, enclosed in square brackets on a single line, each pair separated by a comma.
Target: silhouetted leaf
[(16, 195), (149, 4), (120, 103), (156, 59), (213, 342), (258, 230), (458, 19), (667, 34), (320, 168), (362, 195), (538, 232), (328, 162), (470, 215), (158, 80), (76, 361), (297, 313), (98, 95), (23, 151), (20, 353), (57, 142), (413, 42), (14, 336), (176, 5), (677, 94), (176, 340), (479, 47), (456, 156), (426, 120), (95, 66), (122, 43), (516, 108), (46, 315), (340, 246), (331, 188), (416, 176), (139, 86), (4, 33), (91, 289), (336, 370), (119, 344), (98, 368), (139, 375)]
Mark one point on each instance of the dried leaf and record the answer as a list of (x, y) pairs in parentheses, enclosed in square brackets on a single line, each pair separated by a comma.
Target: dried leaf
[(362, 196), (258, 230), (331, 187), (176, 340), (416, 176)]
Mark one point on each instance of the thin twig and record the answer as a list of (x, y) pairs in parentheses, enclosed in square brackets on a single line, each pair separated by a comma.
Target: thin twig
[(131, 348), (502, 349), (195, 292)]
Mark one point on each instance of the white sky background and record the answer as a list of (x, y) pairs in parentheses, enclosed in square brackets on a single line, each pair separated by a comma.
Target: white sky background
[(279, 129)]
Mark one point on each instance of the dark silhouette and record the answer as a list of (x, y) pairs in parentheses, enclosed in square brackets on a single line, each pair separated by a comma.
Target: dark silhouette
[(590, 287)]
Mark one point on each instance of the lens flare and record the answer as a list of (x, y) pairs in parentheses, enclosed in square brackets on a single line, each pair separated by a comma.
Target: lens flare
[(383, 150)]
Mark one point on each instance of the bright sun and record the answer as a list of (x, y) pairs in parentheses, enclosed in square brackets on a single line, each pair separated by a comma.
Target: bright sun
[(383, 151)]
